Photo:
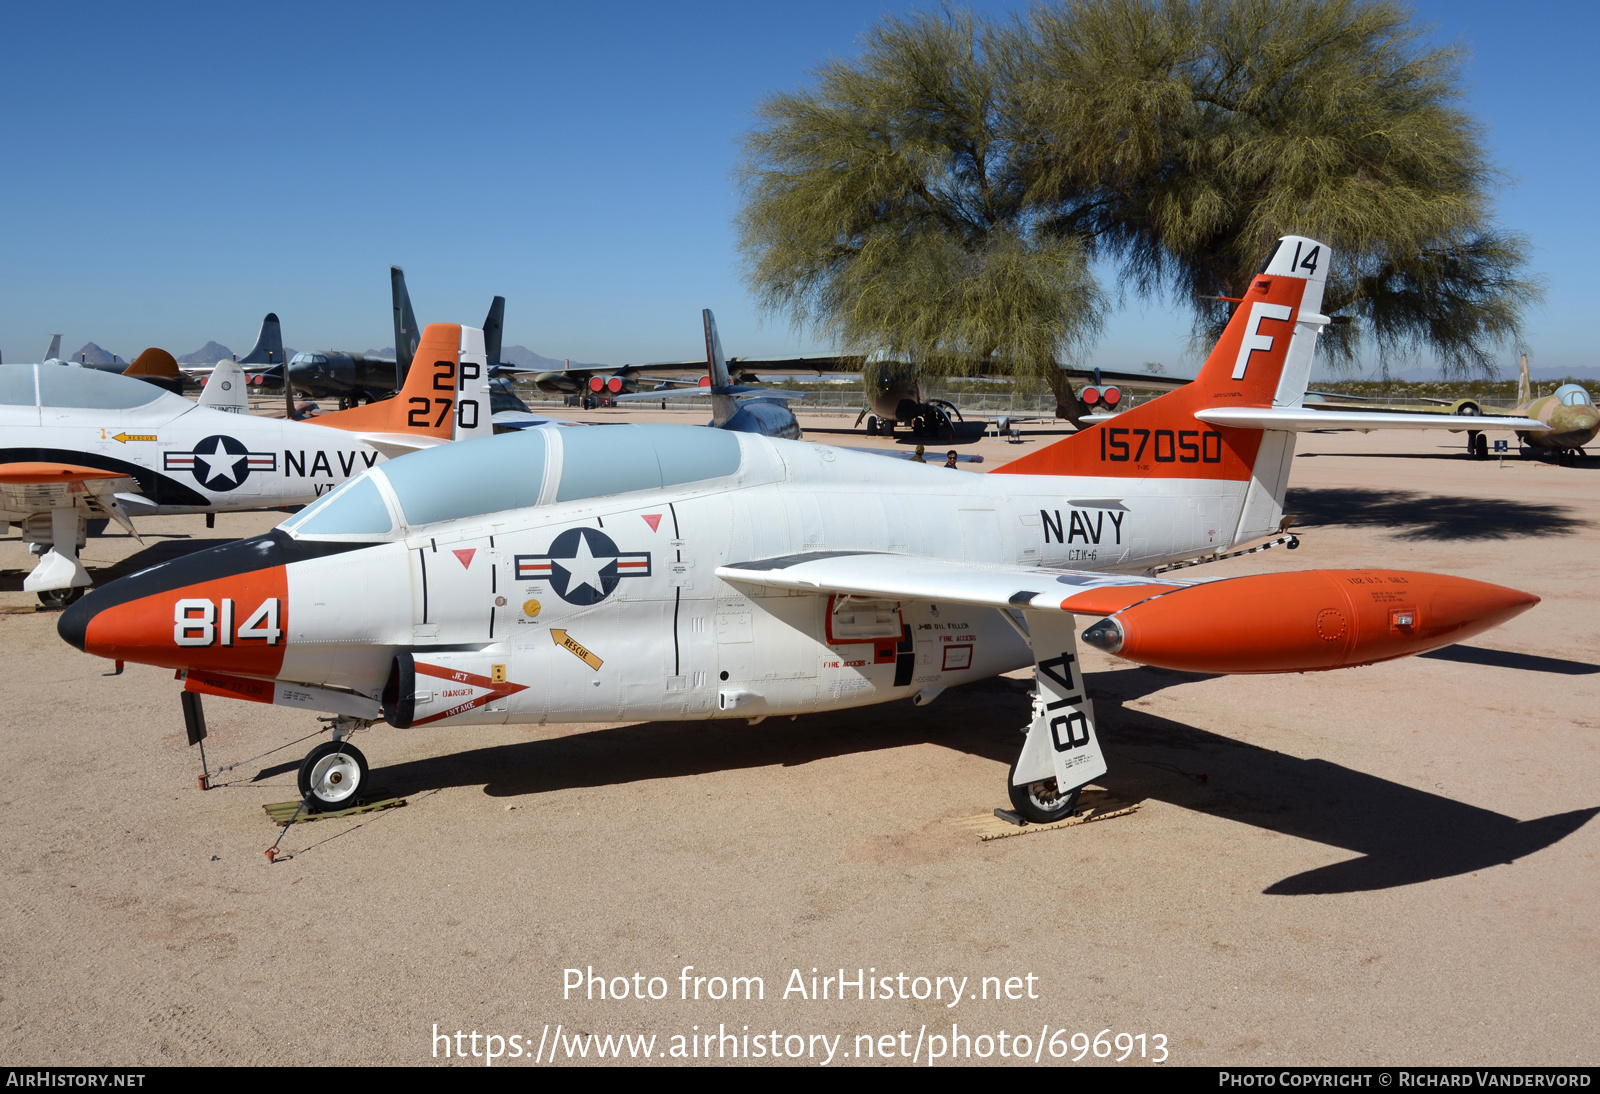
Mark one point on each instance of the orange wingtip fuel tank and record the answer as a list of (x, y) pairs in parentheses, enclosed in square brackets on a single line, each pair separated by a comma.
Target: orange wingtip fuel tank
[(1304, 622)]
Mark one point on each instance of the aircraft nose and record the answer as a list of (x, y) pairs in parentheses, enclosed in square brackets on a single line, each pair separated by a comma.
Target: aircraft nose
[(224, 608), (73, 624)]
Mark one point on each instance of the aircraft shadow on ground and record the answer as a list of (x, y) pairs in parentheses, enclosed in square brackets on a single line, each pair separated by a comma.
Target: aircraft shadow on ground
[(157, 551), (1403, 835), (1428, 516), (1505, 659)]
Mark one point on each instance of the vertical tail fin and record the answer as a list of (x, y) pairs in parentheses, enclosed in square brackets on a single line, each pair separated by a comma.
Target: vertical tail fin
[(445, 397), (1524, 385), (723, 406), (493, 326), (54, 353), (225, 388), (406, 339), (1263, 359), (268, 349)]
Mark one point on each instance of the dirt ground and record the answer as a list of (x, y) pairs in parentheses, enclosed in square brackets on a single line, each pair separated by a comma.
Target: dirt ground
[(1393, 864)]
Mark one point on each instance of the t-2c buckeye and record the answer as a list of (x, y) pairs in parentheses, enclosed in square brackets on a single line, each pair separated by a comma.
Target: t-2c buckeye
[(677, 572)]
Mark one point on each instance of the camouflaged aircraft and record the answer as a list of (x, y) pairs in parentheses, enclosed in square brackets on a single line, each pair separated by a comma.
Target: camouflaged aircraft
[(666, 572)]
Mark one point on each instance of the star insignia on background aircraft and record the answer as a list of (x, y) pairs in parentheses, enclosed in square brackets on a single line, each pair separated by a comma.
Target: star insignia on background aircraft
[(220, 462), (583, 566)]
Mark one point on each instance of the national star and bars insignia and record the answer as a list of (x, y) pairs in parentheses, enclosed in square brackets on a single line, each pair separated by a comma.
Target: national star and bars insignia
[(583, 566), (220, 462)]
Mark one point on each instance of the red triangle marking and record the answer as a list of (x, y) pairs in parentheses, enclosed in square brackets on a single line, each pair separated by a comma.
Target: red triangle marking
[(466, 557), (653, 520)]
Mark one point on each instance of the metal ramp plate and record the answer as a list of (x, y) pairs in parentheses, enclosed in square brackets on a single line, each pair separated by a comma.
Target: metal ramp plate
[(284, 812), (1094, 804)]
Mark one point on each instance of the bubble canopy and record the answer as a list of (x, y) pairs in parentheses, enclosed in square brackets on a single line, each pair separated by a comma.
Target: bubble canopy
[(513, 471)]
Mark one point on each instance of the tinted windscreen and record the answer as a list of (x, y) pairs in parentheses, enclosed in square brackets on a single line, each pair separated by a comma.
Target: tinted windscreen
[(469, 478)]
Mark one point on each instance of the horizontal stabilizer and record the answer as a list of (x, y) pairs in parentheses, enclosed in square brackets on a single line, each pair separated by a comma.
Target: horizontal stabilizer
[(905, 577), (1300, 420)]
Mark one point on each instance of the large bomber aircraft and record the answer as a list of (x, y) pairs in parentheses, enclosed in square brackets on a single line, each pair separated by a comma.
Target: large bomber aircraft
[(357, 378), (81, 445), (683, 573)]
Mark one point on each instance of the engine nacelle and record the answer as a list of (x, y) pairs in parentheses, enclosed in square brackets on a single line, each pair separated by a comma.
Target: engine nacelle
[(459, 686)]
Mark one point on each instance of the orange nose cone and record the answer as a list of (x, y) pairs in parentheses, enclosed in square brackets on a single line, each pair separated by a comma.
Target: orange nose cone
[(1307, 621), (236, 623)]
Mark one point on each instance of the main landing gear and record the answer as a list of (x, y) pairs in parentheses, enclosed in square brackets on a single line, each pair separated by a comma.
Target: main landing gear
[(333, 774), (61, 598), (1061, 748), (1042, 802)]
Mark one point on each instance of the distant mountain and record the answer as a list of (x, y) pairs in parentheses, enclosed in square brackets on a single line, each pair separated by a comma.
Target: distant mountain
[(208, 354), (523, 357), (94, 355)]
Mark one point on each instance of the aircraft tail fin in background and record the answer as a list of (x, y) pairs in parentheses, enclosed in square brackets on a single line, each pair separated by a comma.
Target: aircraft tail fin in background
[(493, 326), (1524, 385), (445, 396), (155, 362), (225, 388), (723, 404), (268, 349), (406, 335), (1262, 360), (54, 353)]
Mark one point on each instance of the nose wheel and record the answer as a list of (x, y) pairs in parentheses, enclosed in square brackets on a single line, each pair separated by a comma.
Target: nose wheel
[(331, 776)]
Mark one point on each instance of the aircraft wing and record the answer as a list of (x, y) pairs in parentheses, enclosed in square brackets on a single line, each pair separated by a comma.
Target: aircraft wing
[(1294, 419), (34, 487), (707, 392), (1128, 379), (908, 577)]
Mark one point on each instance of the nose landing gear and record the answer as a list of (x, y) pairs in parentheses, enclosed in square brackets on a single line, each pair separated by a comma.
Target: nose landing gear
[(333, 774)]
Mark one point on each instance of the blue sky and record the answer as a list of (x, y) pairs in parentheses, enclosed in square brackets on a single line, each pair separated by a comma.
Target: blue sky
[(174, 172)]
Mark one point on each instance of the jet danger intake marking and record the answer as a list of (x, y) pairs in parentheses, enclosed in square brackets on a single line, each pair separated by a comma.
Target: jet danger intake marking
[(219, 462), (584, 566)]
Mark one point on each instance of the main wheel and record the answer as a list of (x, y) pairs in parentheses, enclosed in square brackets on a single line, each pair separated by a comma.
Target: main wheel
[(61, 598), (872, 426), (1480, 447), (1041, 802), (331, 775)]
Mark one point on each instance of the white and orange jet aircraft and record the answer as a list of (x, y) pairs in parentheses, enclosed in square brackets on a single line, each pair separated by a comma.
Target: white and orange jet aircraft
[(81, 445), (674, 572)]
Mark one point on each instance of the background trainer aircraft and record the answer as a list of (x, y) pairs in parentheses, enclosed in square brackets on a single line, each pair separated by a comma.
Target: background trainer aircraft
[(683, 573), (80, 445)]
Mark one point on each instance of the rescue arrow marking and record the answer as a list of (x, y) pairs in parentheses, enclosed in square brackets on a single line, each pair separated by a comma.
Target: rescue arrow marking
[(560, 638), (126, 437)]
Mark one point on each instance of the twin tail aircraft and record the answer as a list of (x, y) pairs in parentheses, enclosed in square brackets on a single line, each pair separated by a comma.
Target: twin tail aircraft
[(682, 573)]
